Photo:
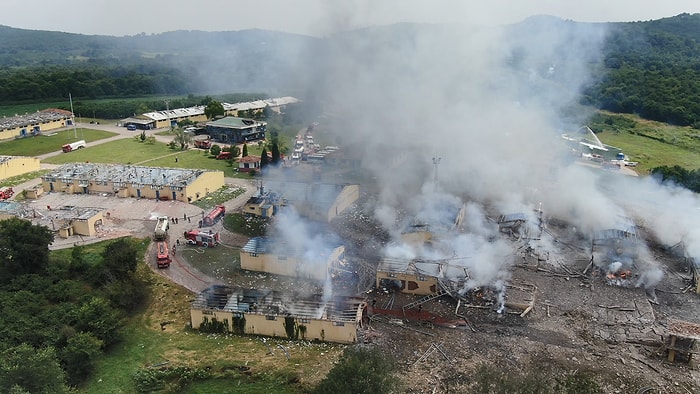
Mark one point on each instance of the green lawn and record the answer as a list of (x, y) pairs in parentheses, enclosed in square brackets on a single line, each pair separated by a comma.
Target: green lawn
[(158, 154), (122, 151), (650, 143), (50, 142)]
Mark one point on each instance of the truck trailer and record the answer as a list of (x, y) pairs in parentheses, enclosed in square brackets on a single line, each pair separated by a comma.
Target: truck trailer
[(73, 146), (162, 226), (214, 216)]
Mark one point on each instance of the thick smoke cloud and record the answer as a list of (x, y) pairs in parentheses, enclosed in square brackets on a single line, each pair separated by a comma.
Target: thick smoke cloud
[(488, 102)]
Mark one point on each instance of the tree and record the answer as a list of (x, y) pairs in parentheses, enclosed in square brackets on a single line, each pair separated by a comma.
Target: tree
[(24, 247), (215, 150), (274, 147), (79, 355), (182, 139), (245, 150), (120, 258), (97, 317), (26, 369), (264, 160), (214, 109), (359, 371)]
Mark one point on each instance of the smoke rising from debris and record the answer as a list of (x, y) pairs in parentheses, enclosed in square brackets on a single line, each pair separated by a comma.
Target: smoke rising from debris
[(489, 102)]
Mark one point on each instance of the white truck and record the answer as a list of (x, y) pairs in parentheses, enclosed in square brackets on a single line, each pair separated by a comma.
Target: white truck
[(73, 146), (162, 226)]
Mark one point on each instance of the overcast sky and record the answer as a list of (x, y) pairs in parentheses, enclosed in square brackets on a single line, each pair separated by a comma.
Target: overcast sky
[(313, 17)]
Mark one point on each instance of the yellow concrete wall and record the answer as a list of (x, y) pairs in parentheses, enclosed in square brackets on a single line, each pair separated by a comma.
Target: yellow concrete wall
[(288, 265), (259, 324), (87, 227), (45, 126), (34, 193), (209, 181), (65, 232), (345, 199), (257, 209), (425, 284), (18, 165)]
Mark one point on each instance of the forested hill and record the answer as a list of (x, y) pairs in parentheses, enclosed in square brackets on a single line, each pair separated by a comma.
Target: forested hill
[(650, 68)]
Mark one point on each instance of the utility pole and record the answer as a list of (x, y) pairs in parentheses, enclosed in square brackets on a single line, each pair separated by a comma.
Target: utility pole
[(436, 163), (75, 131), (167, 112)]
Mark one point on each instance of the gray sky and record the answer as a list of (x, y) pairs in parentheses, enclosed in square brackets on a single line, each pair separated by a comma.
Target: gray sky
[(313, 17)]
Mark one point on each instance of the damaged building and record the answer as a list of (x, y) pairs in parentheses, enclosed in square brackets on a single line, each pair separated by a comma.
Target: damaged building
[(157, 183), (27, 125), (265, 255), (64, 221), (426, 230), (615, 252), (320, 202), (68, 221), (409, 276), (277, 314)]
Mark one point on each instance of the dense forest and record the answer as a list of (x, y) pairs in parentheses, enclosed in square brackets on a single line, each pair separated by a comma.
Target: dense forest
[(651, 69), (60, 310), (648, 68)]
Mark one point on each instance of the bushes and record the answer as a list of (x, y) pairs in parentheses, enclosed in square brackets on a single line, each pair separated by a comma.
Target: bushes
[(174, 379), (360, 371)]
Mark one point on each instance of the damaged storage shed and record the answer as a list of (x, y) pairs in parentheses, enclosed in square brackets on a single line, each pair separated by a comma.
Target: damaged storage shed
[(157, 183), (277, 314)]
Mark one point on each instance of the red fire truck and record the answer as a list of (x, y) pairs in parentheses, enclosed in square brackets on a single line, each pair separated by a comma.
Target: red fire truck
[(202, 238), (214, 216), (163, 255)]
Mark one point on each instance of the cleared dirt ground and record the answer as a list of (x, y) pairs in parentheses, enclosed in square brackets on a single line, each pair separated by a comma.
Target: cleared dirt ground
[(577, 323)]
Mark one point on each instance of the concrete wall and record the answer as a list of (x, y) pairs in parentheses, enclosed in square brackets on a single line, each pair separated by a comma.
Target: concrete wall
[(345, 199), (18, 165), (411, 284), (87, 226), (264, 209), (208, 182), (289, 265), (273, 326), (43, 126)]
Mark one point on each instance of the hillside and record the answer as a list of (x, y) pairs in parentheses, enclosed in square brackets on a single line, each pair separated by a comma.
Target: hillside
[(647, 68)]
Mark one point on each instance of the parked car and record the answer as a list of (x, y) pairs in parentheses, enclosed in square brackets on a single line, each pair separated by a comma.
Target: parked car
[(223, 156), (131, 127)]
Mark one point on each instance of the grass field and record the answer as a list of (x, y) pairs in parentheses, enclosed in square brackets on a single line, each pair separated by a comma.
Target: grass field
[(50, 142), (650, 143), (131, 151)]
